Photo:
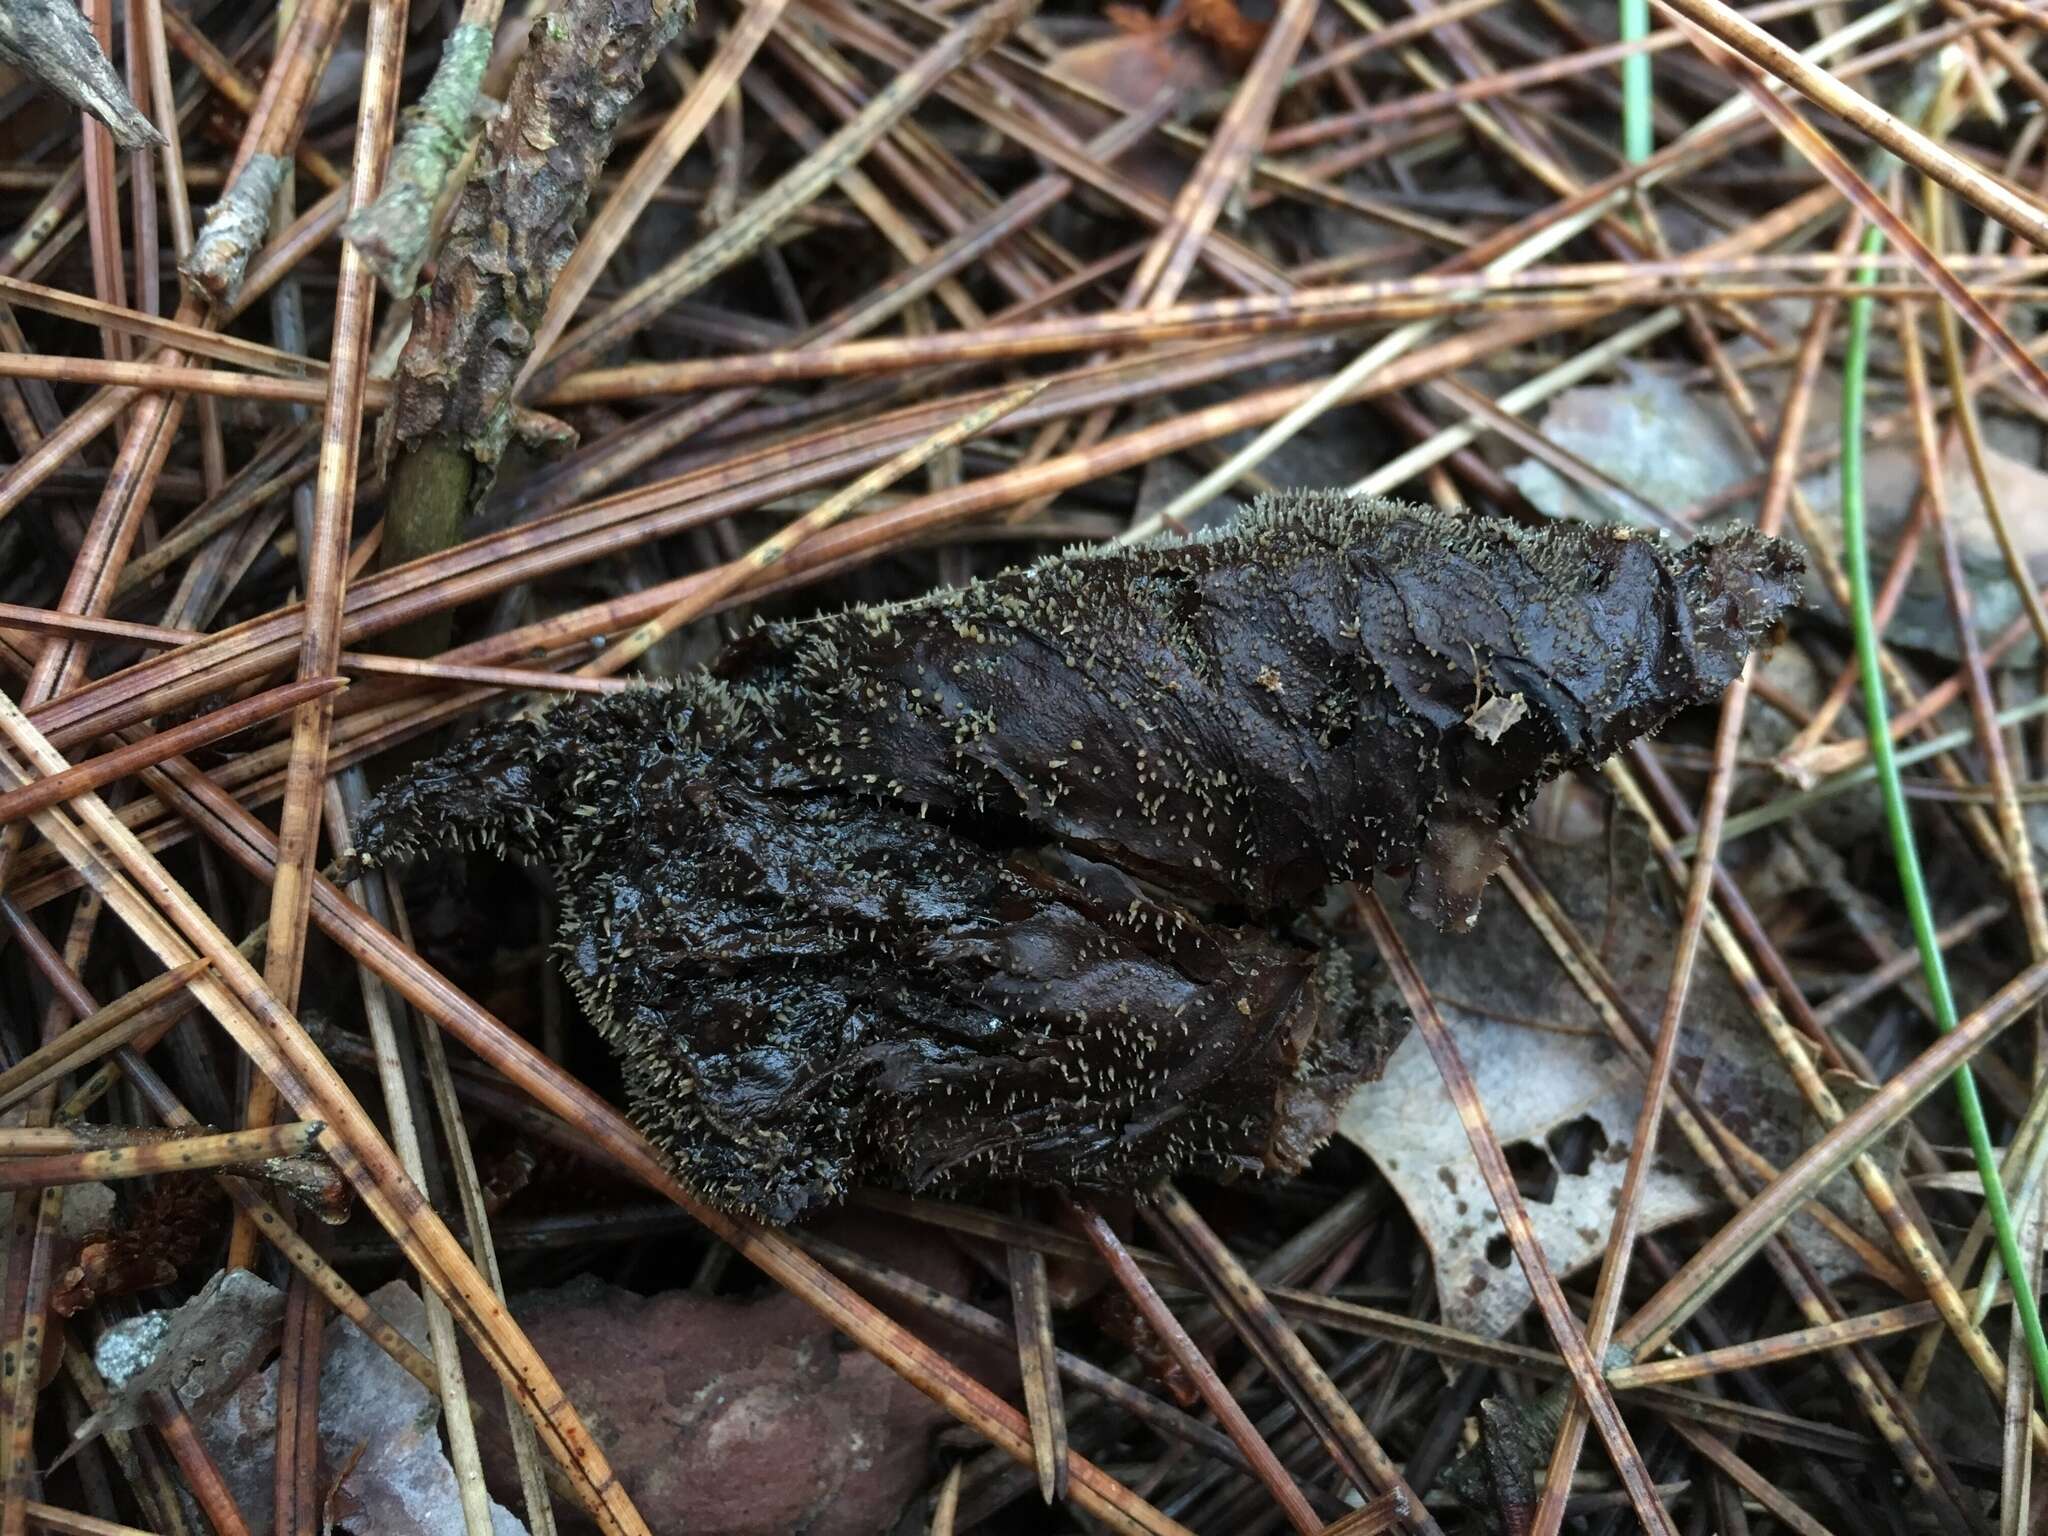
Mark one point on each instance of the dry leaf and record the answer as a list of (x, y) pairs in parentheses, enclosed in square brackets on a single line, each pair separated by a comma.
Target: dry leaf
[(1562, 1098), (1563, 1105)]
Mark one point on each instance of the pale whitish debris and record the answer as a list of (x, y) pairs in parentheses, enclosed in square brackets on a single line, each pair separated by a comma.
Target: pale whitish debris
[(51, 41), (1497, 716), (1532, 1081), (234, 231)]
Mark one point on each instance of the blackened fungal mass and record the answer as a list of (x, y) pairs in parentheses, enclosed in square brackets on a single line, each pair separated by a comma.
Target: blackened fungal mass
[(944, 890)]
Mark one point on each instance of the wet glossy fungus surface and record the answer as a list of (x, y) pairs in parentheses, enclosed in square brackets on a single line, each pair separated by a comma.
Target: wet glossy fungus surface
[(1008, 881)]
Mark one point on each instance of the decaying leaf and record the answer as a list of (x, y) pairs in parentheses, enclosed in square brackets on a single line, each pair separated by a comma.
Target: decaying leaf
[(1492, 718), (1561, 1096), (1562, 1101), (1002, 882), (1144, 57)]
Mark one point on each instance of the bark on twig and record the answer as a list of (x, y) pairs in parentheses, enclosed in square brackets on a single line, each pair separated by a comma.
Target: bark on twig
[(510, 235), (514, 226), (52, 41), (392, 233), (234, 230), (238, 224)]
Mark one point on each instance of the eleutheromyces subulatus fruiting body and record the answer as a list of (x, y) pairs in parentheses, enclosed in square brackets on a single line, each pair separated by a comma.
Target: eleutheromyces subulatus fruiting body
[(1008, 881)]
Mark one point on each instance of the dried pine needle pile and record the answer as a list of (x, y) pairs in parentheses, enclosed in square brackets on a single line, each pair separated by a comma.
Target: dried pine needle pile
[(377, 378)]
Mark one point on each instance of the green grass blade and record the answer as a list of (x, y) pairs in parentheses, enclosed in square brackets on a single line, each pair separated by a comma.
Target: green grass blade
[(1637, 139), (1905, 853)]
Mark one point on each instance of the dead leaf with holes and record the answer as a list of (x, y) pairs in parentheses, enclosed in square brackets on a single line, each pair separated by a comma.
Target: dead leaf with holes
[(1563, 1102), (1561, 1097)]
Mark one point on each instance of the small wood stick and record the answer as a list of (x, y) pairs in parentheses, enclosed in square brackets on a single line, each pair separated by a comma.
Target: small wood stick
[(236, 225), (177, 1154), (52, 41)]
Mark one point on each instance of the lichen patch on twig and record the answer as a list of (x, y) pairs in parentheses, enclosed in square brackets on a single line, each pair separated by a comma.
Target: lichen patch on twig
[(515, 223), (392, 233)]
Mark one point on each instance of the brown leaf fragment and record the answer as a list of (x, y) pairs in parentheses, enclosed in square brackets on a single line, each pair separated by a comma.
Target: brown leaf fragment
[(1003, 882), (162, 1233), (1232, 33)]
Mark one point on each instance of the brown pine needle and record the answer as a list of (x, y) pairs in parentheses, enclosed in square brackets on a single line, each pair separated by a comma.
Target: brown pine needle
[(1264, 1463), (96, 773), (55, 1057), (521, 678), (771, 552), (1587, 1374), (1043, 1404)]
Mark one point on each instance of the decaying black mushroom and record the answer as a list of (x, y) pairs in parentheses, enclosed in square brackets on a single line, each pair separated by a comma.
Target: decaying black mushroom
[(1007, 881)]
